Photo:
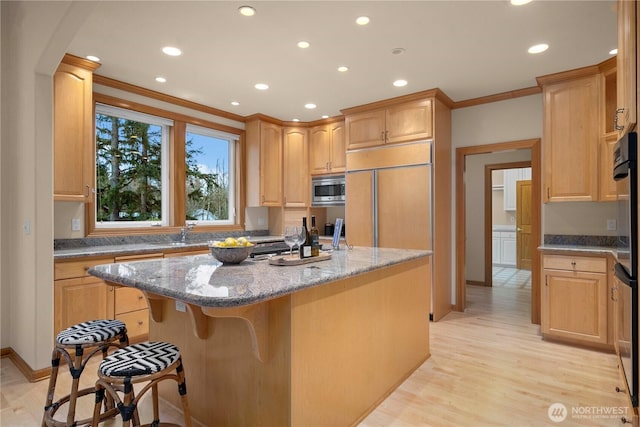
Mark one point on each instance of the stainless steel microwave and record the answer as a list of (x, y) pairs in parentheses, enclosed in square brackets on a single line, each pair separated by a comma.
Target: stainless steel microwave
[(328, 191)]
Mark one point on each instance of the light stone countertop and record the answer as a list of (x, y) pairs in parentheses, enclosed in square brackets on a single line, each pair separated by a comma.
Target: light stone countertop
[(578, 249), (142, 248), (204, 281)]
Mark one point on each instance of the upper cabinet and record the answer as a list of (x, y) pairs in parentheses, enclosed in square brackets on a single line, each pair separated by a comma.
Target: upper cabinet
[(405, 122), (571, 135), (264, 163), (73, 129), (327, 149), (296, 170), (626, 116)]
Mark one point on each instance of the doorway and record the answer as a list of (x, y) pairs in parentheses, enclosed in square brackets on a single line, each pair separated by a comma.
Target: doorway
[(507, 225), (461, 215)]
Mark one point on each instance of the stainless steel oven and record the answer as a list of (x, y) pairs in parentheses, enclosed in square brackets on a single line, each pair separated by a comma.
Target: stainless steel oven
[(625, 173), (328, 191)]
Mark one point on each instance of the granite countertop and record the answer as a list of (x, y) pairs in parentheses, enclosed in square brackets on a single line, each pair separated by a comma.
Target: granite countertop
[(579, 249), (142, 247), (204, 281)]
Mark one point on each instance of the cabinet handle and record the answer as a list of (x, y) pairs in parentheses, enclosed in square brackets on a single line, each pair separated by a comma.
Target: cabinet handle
[(613, 297), (140, 297), (140, 322), (88, 190), (573, 264), (382, 135), (616, 126)]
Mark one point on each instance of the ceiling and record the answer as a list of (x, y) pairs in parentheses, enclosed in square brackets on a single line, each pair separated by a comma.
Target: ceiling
[(468, 49)]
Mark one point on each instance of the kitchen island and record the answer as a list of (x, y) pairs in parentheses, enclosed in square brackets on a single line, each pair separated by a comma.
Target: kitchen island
[(318, 344)]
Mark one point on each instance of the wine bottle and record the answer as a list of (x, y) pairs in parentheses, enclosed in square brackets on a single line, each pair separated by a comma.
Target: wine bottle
[(315, 237), (305, 248)]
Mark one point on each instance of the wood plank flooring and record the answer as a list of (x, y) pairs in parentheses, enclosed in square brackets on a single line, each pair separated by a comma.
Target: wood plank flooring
[(489, 367)]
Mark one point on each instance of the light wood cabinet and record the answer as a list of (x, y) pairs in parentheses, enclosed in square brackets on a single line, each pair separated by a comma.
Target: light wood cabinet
[(129, 304), (263, 163), (626, 114), (73, 129), (410, 121), (295, 167), (571, 136), (607, 186), (575, 299), (327, 149), (77, 296)]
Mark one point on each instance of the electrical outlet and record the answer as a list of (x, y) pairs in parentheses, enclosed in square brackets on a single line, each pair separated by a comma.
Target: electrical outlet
[(27, 227), (75, 224), (611, 224), (180, 306), (261, 221)]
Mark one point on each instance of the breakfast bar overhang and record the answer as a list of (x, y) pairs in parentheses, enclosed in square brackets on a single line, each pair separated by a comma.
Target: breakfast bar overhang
[(318, 344)]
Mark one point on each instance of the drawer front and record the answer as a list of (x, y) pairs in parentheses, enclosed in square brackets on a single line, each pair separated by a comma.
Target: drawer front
[(137, 323), (575, 263), (71, 269), (129, 299)]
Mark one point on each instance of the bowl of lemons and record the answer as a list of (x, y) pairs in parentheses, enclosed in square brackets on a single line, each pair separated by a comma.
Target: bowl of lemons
[(231, 250)]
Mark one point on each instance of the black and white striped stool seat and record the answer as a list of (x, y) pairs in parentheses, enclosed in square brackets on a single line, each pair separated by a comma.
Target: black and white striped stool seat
[(140, 359), (93, 331)]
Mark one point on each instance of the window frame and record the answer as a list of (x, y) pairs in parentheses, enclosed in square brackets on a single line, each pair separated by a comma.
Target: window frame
[(176, 186)]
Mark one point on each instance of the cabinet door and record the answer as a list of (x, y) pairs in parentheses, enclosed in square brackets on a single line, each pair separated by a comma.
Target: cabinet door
[(79, 300), (403, 206), (495, 248), (338, 158), (574, 305), (319, 150), (365, 129), (607, 183), (296, 175), (508, 247), (571, 137), (270, 164), (412, 121), (359, 208), (626, 65), (72, 134)]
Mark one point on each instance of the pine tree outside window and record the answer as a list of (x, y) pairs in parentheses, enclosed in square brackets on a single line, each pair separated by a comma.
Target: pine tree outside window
[(209, 182), (131, 168)]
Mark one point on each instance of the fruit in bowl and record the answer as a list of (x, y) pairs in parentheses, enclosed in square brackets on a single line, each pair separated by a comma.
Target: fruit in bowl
[(231, 250)]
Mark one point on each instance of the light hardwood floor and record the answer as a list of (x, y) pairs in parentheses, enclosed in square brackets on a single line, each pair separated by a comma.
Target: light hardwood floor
[(488, 367)]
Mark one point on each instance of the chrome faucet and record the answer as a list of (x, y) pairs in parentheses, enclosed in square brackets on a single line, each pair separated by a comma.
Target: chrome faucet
[(184, 231)]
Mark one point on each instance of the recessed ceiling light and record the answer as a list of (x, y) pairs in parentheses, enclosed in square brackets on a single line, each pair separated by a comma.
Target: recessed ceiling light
[(303, 44), (246, 11), (538, 48), (343, 69), (261, 86), (235, 103), (613, 52), (400, 83), (161, 79), (172, 51), (520, 2), (325, 116), (362, 20), (295, 120), (310, 106), (398, 50), (93, 58)]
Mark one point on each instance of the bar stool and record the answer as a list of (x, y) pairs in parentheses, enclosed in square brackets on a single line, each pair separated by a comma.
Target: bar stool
[(96, 334), (149, 362)]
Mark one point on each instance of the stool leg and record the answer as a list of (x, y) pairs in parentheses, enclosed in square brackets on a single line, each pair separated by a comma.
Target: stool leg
[(156, 410), (76, 371), (55, 363), (182, 390)]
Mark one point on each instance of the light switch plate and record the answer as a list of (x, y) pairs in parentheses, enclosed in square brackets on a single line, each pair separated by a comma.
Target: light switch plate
[(75, 224), (611, 224)]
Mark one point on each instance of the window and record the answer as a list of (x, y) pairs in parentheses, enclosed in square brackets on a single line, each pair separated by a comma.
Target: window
[(210, 181), (131, 168)]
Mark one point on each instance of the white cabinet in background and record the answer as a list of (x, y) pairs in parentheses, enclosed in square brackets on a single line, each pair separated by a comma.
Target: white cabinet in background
[(510, 178), (504, 248)]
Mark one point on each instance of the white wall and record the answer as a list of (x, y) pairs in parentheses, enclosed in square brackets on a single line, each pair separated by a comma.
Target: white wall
[(34, 37)]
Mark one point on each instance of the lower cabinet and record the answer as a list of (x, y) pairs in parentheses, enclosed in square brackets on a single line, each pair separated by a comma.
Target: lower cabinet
[(575, 299)]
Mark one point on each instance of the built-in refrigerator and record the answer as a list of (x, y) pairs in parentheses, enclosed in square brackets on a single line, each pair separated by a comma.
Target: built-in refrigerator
[(389, 197)]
